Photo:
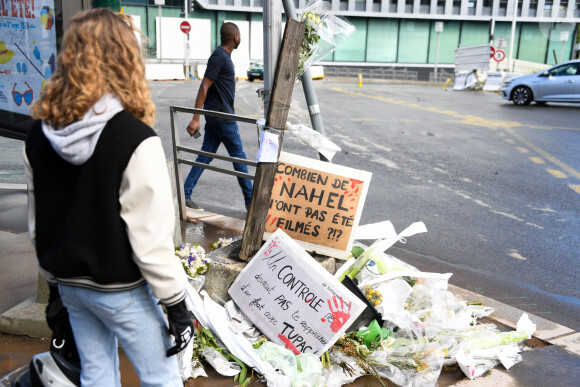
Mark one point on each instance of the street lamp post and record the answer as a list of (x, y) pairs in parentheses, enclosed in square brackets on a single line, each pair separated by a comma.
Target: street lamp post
[(159, 3), (513, 33), (564, 35), (438, 29)]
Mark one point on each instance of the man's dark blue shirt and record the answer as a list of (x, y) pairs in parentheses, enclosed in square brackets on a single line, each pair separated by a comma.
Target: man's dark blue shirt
[(221, 94)]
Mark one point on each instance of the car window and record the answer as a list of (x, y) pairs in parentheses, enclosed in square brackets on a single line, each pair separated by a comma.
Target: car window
[(574, 69), (568, 69)]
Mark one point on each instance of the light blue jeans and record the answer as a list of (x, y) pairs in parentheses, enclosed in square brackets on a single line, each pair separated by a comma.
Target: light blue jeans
[(100, 320)]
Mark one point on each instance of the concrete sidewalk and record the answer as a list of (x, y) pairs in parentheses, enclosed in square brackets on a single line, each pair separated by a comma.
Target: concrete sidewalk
[(552, 356)]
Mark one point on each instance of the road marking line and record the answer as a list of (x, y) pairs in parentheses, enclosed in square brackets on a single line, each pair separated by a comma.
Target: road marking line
[(537, 160), (571, 171), (556, 173), (501, 134), (552, 127), (575, 187), (510, 141), (490, 124), (522, 149)]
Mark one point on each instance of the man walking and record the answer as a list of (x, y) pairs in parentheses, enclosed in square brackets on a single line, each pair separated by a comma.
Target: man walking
[(217, 92)]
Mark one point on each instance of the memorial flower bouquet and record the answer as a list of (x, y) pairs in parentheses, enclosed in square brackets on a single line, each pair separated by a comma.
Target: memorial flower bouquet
[(324, 32), (193, 259), (311, 37)]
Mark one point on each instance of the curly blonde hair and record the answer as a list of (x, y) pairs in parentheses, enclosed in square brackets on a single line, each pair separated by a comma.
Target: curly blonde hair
[(100, 55)]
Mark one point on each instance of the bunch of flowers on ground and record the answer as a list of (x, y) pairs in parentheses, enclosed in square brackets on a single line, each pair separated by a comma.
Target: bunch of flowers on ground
[(192, 258)]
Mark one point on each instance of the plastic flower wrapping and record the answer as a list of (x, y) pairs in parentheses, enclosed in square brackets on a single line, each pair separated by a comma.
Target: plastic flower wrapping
[(324, 33), (422, 328), (222, 242), (193, 259)]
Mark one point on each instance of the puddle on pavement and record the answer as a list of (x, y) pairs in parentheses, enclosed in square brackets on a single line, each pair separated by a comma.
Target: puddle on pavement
[(17, 351), (204, 234)]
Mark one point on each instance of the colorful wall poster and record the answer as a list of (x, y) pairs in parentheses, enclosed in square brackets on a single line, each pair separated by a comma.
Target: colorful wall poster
[(27, 51)]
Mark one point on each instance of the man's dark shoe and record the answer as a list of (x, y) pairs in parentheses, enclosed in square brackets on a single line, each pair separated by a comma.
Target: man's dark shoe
[(189, 203)]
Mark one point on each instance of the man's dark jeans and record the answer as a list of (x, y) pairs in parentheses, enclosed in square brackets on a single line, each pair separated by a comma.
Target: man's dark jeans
[(216, 134)]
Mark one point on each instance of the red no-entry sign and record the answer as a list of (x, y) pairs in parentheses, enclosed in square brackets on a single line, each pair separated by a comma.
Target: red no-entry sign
[(185, 27), (491, 51)]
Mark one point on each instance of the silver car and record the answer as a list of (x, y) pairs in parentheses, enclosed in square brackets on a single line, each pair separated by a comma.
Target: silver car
[(560, 83)]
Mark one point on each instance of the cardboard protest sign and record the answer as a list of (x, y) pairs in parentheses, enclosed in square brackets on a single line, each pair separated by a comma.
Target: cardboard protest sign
[(292, 299), (318, 204)]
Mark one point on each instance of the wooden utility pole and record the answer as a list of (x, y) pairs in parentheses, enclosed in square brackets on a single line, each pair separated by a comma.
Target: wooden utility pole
[(284, 79)]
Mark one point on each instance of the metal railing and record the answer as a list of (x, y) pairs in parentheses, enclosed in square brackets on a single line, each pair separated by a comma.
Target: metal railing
[(178, 149)]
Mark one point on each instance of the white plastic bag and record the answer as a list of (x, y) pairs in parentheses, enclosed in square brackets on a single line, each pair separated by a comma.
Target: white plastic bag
[(220, 363)]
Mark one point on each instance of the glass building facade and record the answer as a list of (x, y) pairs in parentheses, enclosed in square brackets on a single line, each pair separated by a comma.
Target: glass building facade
[(401, 33)]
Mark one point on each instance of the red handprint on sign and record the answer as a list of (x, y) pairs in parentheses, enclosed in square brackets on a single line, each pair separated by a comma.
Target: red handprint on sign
[(339, 317)]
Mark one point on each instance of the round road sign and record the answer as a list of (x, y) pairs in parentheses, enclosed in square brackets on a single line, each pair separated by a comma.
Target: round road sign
[(185, 27), (499, 55), (491, 51)]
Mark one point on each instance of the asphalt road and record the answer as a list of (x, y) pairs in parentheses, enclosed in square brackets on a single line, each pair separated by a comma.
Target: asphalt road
[(498, 186)]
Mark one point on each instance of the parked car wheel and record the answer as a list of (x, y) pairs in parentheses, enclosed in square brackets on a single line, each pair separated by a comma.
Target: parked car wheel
[(250, 79), (522, 96)]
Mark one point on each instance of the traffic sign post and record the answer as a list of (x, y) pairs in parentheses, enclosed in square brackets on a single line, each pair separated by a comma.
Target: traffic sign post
[(499, 55), (185, 27)]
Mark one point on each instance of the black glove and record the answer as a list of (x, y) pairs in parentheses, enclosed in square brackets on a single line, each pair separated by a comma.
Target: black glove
[(180, 326), (63, 341)]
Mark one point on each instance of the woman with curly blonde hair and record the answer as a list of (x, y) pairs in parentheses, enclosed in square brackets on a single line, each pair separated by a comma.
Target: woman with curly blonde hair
[(101, 207)]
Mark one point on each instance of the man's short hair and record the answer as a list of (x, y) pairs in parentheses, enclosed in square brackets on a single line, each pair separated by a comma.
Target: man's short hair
[(228, 31)]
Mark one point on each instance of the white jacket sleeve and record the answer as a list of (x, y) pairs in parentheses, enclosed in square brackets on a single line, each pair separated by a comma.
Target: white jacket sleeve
[(147, 209)]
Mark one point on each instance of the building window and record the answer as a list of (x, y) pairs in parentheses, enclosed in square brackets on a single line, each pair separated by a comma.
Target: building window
[(533, 10), (502, 10), (487, 7), (563, 8), (393, 6), (245, 3), (425, 6), (258, 3), (360, 5), (440, 7), (577, 9), (471, 7), (409, 6), (548, 8), (229, 2), (343, 6), (376, 5), (456, 7)]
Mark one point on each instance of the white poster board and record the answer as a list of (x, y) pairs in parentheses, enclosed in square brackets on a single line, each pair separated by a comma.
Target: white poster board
[(318, 204), (291, 298)]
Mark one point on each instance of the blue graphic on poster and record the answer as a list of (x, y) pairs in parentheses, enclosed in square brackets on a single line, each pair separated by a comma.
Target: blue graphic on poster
[(27, 51)]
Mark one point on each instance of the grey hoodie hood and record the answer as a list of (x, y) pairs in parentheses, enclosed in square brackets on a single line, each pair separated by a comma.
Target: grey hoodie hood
[(76, 142)]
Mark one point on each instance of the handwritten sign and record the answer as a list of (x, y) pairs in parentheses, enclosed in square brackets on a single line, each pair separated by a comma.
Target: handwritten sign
[(318, 204), (292, 299)]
